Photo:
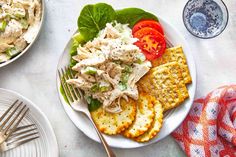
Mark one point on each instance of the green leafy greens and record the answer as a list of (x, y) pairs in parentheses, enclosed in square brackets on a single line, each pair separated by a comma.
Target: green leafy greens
[(93, 104), (78, 39), (94, 18), (132, 15)]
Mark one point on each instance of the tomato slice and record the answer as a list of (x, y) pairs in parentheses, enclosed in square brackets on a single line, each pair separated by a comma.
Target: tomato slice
[(153, 46), (148, 23), (145, 31)]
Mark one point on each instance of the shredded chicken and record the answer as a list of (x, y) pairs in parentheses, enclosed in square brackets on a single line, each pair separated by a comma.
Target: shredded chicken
[(109, 67)]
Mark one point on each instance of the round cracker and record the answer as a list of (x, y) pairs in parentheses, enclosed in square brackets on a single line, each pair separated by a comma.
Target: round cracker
[(114, 123), (156, 126), (144, 116)]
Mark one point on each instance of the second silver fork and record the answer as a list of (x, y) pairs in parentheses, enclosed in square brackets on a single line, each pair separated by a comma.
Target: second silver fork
[(21, 135), (11, 119)]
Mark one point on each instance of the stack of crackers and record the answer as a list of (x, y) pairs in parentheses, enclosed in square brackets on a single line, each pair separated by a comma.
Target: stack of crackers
[(168, 78), (163, 88)]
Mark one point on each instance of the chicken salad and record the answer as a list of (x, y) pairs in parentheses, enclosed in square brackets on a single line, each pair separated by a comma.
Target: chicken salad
[(109, 66)]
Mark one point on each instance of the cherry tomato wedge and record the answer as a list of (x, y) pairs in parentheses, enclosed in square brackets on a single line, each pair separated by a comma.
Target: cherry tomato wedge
[(148, 23), (153, 46)]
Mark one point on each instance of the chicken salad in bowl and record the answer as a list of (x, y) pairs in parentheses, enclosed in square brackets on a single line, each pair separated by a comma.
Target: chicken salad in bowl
[(20, 22)]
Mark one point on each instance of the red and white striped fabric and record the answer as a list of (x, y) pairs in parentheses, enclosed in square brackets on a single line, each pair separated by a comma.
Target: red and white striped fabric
[(209, 130)]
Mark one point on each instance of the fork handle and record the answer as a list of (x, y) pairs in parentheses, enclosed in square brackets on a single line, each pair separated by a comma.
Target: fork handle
[(109, 151)]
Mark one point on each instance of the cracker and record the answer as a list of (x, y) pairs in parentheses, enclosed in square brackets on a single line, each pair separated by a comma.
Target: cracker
[(175, 71), (168, 92), (156, 125), (160, 84), (115, 123), (144, 117), (175, 54)]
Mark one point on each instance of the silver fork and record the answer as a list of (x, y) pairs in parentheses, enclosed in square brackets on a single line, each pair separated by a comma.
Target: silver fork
[(22, 135), (78, 103), (9, 122)]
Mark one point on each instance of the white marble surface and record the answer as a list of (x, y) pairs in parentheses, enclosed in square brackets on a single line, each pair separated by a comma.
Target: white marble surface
[(33, 75)]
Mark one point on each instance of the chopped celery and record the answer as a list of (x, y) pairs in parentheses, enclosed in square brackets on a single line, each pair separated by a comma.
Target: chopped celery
[(95, 87), (100, 87), (19, 15), (24, 23), (89, 70), (18, 10), (12, 52), (127, 69), (122, 86), (104, 88), (3, 25), (125, 77), (141, 58)]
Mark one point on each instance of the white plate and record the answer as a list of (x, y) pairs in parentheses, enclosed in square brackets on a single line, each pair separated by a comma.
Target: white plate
[(172, 119), (46, 145), (29, 46)]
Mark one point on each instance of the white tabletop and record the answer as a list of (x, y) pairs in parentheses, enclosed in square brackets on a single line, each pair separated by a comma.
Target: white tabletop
[(33, 75)]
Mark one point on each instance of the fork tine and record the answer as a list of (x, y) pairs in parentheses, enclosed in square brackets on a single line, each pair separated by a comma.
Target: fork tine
[(21, 133), (10, 116), (77, 94), (24, 127), (16, 144), (66, 84), (20, 137), (3, 116), (63, 82), (17, 121)]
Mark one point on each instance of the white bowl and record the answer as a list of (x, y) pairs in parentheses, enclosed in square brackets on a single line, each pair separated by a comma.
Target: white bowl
[(29, 46)]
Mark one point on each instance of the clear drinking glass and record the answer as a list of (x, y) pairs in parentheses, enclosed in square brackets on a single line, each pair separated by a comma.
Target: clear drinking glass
[(205, 18)]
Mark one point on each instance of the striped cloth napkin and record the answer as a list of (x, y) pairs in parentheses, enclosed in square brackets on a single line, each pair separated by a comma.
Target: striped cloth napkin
[(209, 130)]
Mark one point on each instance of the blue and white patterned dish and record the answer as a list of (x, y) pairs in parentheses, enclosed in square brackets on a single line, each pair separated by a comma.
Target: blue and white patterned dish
[(205, 18)]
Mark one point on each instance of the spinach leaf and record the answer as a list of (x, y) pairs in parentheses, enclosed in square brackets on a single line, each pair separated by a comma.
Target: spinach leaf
[(72, 62), (93, 18), (133, 15), (73, 48), (93, 104)]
